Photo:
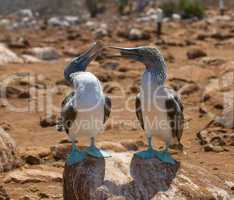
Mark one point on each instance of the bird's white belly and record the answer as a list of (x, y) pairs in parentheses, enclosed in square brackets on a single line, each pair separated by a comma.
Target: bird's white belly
[(154, 111), (89, 123), (89, 102)]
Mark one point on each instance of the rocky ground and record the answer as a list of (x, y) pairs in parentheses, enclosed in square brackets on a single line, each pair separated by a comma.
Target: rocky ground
[(200, 62)]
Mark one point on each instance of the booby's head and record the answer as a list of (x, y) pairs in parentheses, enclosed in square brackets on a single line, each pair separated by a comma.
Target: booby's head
[(80, 63), (150, 57)]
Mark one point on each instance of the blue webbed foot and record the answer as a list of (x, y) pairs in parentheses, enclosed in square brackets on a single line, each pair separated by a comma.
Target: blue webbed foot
[(166, 157), (148, 154), (75, 156), (98, 153)]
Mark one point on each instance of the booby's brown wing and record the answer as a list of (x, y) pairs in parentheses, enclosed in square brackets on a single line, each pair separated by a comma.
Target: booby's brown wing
[(68, 114), (175, 115), (107, 108), (139, 111)]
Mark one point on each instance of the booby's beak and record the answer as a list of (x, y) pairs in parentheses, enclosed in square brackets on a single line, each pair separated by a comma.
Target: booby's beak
[(131, 53), (86, 57), (81, 62)]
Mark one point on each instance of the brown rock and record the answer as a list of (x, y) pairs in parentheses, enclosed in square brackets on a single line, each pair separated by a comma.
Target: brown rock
[(196, 53), (32, 176), (48, 121), (8, 159), (3, 194), (216, 138), (189, 89), (60, 151)]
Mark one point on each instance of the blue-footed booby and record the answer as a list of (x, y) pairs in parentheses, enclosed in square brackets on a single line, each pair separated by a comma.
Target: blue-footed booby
[(158, 108), (85, 110)]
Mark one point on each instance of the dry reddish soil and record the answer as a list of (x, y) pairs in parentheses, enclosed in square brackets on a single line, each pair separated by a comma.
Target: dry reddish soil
[(177, 39)]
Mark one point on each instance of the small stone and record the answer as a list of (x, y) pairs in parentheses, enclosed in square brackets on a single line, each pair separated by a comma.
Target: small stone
[(216, 149), (195, 53), (43, 195), (32, 159), (24, 95), (137, 34), (45, 53), (60, 152), (48, 121)]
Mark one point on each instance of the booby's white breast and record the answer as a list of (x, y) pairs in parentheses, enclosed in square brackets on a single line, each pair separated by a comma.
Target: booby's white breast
[(89, 103), (153, 97)]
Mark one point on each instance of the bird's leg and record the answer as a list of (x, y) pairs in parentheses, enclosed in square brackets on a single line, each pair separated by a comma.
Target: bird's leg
[(75, 155), (150, 147), (93, 142), (95, 152), (149, 153), (165, 156)]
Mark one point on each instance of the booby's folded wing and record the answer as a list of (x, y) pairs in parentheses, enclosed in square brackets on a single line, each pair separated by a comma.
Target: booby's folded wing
[(139, 111), (175, 115), (107, 108), (68, 114)]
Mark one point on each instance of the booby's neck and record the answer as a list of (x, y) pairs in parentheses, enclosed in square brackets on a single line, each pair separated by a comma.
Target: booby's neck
[(158, 73)]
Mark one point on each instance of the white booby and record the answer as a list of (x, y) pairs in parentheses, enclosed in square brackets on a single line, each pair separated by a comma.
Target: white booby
[(86, 109), (158, 108)]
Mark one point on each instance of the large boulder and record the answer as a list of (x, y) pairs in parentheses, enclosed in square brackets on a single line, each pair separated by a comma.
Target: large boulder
[(8, 158), (128, 177)]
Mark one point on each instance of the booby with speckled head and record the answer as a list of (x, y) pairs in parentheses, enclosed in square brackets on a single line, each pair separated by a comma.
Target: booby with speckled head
[(85, 110), (158, 108)]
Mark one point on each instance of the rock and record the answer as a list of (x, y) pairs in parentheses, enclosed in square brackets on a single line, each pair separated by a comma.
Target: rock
[(30, 59), (13, 92), (189, 89), (101, 31), (64, 21), (32, 176), (123, 177), (24, 95), (216, 149), (133, 145), (8, 159), (137, 34), (35, 156), (196, 53), (5, 126), (5, 23), (3, 194), (48, 121), (60, 151), (32, 159), (45, 53), (8, 56), (176, 17), (213, 61), (112, 146), (43, 195), (227, 118), (215, 138)]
